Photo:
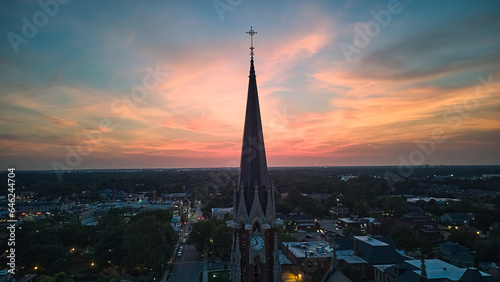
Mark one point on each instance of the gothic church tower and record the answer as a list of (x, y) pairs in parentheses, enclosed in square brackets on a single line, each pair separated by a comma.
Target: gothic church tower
[(255, 254)]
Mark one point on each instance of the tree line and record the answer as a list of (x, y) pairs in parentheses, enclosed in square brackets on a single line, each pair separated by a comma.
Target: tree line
[(140, 246)]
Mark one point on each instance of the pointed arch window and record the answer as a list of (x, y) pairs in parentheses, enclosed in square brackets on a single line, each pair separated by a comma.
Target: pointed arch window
[(256, 227), (257, 275)]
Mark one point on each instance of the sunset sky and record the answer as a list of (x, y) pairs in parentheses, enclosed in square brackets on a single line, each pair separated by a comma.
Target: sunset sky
[(152, 84)]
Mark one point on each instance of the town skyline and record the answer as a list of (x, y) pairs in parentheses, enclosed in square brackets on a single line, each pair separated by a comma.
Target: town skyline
[(164, 86)]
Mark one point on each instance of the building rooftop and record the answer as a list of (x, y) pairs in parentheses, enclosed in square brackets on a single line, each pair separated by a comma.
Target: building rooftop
[(217, 210), (371, 241), (356, 220), (173, 195), (383, 267), (369, 250), (414, 200), (438, 269), (312, 249), (349, 257)]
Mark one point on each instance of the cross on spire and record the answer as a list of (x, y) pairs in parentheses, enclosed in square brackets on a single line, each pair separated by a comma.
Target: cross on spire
[(251, 33)]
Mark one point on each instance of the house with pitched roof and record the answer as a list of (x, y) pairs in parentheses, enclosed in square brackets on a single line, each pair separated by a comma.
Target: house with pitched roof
[(456, 218), (420, 225), (428, 270), (456, 254), (364, 252)]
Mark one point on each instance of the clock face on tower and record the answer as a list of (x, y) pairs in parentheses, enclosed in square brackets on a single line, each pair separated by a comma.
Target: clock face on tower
[(257, 243)]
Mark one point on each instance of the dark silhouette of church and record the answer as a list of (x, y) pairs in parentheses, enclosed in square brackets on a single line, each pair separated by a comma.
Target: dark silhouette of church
[(255, 255)]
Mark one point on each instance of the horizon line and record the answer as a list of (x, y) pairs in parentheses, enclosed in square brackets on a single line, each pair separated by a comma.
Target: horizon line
[(273, 167)]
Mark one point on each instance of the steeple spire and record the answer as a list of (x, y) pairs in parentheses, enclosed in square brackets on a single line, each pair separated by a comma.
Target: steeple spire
[(423, 271), (335, 262), (253, 166)]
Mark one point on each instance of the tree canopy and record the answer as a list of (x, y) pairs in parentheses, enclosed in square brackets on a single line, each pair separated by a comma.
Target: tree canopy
[(211, 235)]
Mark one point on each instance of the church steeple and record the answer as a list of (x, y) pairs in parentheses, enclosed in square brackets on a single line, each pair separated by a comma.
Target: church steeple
[(255, 251), (253, 166)]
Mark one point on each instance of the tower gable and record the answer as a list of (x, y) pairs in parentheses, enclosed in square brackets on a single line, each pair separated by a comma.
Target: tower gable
[(256, 213)]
